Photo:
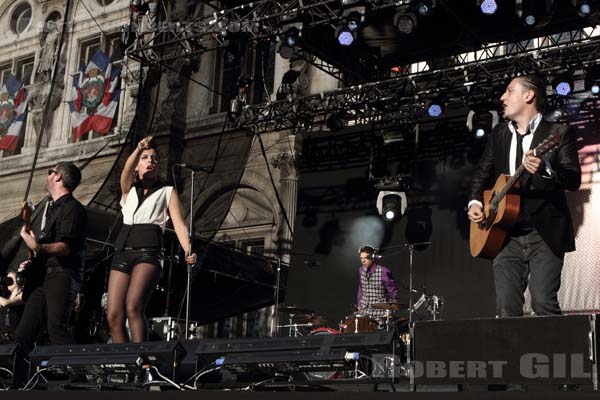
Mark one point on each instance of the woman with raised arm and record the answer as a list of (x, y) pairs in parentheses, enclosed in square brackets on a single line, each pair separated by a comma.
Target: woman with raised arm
[(146, 205)]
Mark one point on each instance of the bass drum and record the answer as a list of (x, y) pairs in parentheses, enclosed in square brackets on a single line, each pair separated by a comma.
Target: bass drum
[(323, 375), (359, 324), (324, 331)]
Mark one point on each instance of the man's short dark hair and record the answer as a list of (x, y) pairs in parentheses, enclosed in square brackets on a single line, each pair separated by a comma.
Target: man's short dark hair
[(71, 175), (366, 249), (537, 84)]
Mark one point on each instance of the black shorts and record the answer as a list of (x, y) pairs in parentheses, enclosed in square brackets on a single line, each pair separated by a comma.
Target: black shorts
[(125, 260)]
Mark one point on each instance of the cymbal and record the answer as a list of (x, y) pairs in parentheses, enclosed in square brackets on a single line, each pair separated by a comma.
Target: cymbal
[(390, 306), (295, 310)]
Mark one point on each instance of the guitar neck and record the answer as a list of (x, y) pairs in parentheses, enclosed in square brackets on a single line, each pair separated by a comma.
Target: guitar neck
[(509, 184)]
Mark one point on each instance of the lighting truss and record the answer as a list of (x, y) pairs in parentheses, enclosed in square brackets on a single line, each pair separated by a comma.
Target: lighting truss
[(259, 19), (472, 78)]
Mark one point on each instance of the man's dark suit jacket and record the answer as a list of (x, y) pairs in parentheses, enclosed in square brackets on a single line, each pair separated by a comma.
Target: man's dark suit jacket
[(544, 199)]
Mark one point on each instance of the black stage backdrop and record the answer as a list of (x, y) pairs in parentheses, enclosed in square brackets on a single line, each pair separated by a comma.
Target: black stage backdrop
[(337, 214)]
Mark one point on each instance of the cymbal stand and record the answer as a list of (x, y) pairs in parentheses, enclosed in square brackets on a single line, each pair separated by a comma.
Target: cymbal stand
[(388, 319)]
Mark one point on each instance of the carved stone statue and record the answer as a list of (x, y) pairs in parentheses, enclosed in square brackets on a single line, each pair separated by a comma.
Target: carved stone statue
[(49, 40)]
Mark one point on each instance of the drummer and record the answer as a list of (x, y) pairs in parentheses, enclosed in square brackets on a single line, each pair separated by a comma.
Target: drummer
[(375, 285)]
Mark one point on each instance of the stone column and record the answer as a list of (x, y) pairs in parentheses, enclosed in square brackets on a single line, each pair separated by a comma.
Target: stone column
[(286, 163)]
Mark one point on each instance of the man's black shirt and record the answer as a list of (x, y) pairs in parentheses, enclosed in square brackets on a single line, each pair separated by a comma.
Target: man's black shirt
[(66, 221)]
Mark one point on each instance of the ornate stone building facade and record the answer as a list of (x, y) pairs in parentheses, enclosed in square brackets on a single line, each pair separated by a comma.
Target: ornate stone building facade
[(185, 110)]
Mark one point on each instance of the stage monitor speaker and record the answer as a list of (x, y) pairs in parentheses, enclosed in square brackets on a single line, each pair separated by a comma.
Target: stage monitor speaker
[(249, 358), (108, 364), (528, 350), (373, 341), (7, 364)]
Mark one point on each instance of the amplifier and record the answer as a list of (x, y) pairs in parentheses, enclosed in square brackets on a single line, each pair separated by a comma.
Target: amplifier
[(528, 350)]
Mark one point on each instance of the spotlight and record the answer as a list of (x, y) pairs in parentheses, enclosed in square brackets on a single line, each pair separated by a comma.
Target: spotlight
[(347, 30), (480, 123), (435, 107), (488, 7), (291, 36), (391, 205), (592, 79), (344, 36), (534, 13), (562, 85), (405, 22), (288, 40), (353, 23), (583, 7), (425, 7)]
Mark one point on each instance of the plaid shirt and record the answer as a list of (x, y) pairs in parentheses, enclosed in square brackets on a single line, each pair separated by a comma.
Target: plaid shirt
[(376, 285)]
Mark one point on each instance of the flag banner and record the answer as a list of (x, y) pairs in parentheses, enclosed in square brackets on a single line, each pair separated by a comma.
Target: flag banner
[(13, 112), (96, 93)]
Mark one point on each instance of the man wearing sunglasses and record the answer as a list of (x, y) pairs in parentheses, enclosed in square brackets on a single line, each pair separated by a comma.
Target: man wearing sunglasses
[(58, 250)]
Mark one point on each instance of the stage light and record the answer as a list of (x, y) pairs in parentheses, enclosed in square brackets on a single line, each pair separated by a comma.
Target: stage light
[(289, 38), (481, 122), (405, 22), (425, 7), (562, 85), (391, 205), (435, 107), (583, 7), (347, 30), (344, 36), (535, 13), (592, 79), (488, 7)]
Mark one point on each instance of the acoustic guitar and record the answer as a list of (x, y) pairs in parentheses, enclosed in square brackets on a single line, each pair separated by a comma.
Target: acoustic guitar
[(501, 206)]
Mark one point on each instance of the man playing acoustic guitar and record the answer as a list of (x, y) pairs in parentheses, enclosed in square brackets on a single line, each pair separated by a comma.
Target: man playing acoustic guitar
[(532, 251)]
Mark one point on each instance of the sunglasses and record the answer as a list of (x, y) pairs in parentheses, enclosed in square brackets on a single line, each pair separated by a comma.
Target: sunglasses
[(52, 171)]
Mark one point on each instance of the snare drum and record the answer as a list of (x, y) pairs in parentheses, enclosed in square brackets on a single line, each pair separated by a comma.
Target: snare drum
[(359, 324)]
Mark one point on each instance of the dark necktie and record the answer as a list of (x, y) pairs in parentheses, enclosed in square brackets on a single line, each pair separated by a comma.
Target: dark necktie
[(519, 158)]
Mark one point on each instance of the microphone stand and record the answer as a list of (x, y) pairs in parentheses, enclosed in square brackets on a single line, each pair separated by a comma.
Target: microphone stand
[(411, 372), (188, 288), (411, 247)]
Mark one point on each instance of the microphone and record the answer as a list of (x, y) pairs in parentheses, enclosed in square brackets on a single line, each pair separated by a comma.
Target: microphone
[(193, 167), (374, 256)]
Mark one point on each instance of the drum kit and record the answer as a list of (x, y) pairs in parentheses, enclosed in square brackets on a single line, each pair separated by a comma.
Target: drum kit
[(303, 321)]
